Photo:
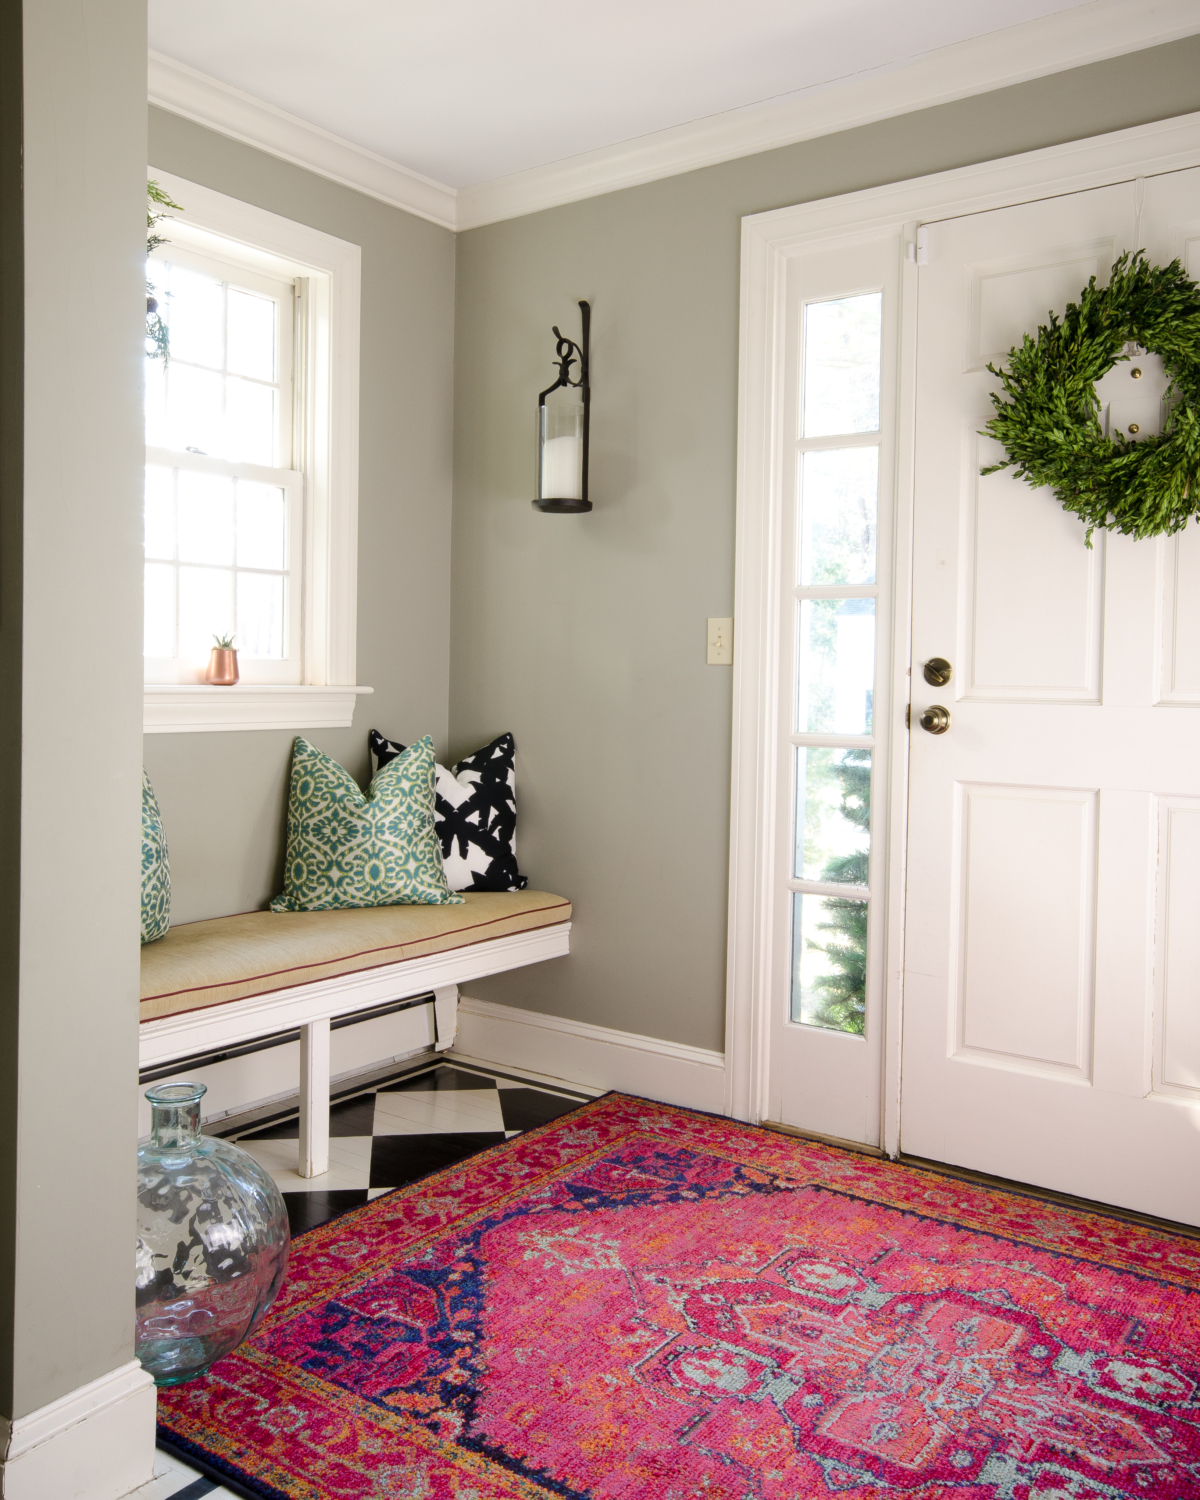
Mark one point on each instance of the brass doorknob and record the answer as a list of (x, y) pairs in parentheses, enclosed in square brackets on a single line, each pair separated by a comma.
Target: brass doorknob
[(938, 671), (936, 719)]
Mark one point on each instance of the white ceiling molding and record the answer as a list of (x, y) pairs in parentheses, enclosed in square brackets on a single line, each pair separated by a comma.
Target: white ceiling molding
[(196, 96), (1067, 39)]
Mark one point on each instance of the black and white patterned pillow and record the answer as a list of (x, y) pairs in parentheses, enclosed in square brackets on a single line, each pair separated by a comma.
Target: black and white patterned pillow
[(474, 814)]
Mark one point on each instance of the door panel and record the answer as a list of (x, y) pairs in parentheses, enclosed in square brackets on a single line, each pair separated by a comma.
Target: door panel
[(1052, 968), (1049, 651), (1008, 298), (1179, 584), (1178, 1070), (1028, 899)]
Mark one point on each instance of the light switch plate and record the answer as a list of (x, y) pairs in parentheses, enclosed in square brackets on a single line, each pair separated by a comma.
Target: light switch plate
[(720, 642)]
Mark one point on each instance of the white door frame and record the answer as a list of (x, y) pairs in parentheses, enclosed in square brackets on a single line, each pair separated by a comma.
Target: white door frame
[(769, 242)]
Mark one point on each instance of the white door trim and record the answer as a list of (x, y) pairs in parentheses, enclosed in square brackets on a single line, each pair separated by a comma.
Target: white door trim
[(769, 242)]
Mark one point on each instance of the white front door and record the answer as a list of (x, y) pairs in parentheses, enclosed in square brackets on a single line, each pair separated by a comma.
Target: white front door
[(1052, 944)]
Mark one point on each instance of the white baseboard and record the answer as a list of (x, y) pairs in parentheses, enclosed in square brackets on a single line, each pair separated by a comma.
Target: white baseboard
[(595, 1056), (95, 1444)]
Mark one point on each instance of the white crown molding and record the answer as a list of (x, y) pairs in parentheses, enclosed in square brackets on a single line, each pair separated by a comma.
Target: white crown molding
[(95, 1442), (1069, 39), (184, 91), (196, 708), (1085, 34)]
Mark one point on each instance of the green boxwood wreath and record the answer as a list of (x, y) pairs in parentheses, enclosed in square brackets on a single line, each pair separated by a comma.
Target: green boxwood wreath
[(1050, 422)]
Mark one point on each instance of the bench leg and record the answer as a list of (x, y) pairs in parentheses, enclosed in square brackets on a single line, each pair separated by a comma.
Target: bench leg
[(314, 1099), (445, 1016)]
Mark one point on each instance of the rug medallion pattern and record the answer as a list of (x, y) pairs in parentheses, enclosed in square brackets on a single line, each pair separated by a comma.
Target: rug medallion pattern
[(640, 1303)]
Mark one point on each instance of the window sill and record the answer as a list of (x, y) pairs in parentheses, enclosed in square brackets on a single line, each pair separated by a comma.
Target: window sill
[(196, 708)]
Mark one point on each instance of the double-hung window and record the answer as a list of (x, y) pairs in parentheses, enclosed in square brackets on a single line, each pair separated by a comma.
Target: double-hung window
[(251, 518), (224, 489)]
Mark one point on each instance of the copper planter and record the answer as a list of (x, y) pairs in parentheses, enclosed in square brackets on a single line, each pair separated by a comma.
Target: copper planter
[(222, 669)]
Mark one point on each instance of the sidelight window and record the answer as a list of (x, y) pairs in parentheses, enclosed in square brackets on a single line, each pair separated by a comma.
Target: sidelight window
[(835, 589)]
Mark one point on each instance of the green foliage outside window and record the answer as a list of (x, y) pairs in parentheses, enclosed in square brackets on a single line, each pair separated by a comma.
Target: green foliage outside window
[(158, 339), (842, 993)]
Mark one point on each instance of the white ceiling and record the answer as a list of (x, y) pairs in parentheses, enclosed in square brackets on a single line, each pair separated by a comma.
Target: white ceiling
[(466, 91)]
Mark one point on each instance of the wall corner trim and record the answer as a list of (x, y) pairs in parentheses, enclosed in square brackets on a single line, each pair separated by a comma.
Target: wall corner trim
[(595, 1056), (185, 91), (96, 1442)]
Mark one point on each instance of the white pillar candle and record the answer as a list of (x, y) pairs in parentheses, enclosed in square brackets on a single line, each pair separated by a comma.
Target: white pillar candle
[(560, 468)]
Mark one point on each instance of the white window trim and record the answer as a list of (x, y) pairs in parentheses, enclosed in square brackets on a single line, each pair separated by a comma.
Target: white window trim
[(769, 241), (195, 708), (332, 269)]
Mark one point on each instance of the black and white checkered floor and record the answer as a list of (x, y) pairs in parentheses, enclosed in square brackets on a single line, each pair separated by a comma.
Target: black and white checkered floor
[(399, 1130), (382, 1135)]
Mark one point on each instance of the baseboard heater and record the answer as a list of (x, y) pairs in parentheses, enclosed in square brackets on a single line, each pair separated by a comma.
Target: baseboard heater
[(276, 1039)]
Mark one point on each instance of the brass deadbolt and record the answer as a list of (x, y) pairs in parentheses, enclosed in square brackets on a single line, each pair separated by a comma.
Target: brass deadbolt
[(938, 671), (1136, 373), (1133, 427), (936, 719)]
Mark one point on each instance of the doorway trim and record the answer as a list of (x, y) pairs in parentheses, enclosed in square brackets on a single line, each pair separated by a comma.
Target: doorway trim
[(770, 242)]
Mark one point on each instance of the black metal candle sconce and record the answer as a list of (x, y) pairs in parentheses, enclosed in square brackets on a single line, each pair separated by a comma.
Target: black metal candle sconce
[(564, 428)]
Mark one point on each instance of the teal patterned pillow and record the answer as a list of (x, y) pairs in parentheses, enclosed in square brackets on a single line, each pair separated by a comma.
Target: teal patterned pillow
[(347, 849), (156, 872)]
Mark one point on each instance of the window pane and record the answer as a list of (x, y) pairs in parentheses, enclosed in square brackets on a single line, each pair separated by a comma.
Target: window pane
[(841, 365), (261, 525), (249, 422), (839, 492), (157, 432), (193, 409), (833, 814), (260, 615), (158, 623), (205, 609), (160, 512), (196, 316), (205, 510), (835, 666), (251, 338), (829, 962), (158, 275)]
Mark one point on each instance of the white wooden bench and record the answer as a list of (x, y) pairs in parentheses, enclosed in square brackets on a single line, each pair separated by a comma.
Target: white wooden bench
[(220, 983)]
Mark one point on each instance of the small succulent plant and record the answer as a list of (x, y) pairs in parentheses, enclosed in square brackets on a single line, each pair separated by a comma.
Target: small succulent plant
[(224, 642)]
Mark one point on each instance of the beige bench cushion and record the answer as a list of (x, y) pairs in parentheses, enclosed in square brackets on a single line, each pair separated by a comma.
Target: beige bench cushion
[(232, 958)]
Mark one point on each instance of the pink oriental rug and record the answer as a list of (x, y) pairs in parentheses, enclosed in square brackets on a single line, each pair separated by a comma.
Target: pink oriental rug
[(636, 1302)]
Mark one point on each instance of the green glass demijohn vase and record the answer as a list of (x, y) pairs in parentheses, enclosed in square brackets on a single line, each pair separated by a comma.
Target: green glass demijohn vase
[(212, 1245)]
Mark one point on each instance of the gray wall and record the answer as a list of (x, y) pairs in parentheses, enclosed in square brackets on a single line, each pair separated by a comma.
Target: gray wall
[(223, 795), (70, 623), (585, 635)]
